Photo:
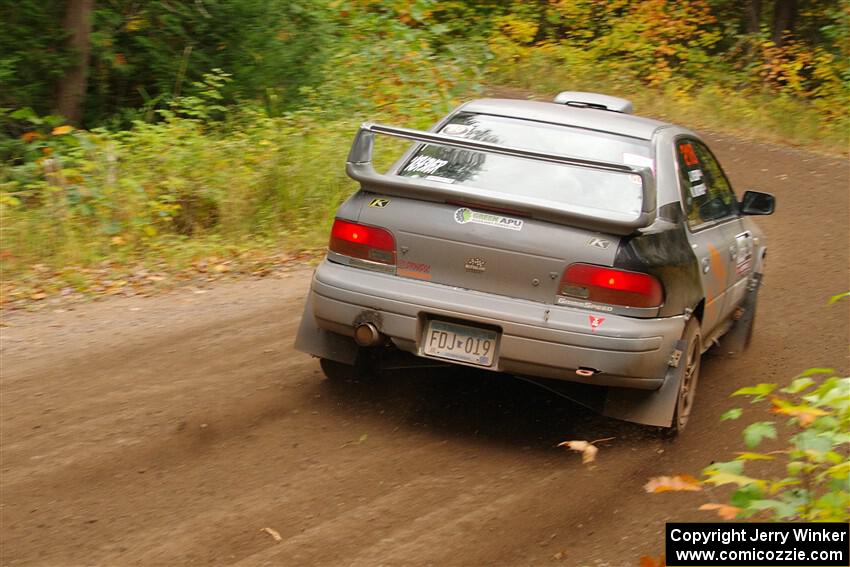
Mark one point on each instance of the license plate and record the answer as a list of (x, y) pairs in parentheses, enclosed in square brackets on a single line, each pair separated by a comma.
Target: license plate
[(459, 342)]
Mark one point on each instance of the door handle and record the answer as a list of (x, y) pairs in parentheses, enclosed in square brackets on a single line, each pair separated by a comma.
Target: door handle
[(706, 265)]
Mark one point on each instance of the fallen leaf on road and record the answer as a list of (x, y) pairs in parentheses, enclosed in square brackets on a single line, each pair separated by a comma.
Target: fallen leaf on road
[(723, 510), (652, 562), (274, 533), (678, 483), (588, 450)]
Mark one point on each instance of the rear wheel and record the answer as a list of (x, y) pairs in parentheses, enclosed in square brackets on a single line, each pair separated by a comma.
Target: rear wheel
[(690, 377)]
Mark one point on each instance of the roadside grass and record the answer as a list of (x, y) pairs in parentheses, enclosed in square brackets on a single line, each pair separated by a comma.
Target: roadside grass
[(113, 213), (170, 195)]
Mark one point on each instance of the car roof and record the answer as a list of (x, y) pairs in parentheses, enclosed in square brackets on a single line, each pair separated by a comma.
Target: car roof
[(588, 118)]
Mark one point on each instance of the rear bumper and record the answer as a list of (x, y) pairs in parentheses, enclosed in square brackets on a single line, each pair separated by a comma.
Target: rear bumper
[(537, 339)]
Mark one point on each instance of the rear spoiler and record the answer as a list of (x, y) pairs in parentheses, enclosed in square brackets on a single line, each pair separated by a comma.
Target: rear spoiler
[(359, 167)]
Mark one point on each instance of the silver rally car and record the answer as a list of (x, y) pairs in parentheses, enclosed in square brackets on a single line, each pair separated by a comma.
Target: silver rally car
[(571, 243)]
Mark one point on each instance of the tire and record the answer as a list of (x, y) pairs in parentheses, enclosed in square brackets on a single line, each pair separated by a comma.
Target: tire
[(690, 378)]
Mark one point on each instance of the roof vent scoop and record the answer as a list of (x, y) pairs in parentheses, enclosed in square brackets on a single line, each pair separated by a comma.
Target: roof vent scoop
[(595, 100)]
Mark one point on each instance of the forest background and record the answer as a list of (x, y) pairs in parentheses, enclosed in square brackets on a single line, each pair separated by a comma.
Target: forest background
[(145, 142)]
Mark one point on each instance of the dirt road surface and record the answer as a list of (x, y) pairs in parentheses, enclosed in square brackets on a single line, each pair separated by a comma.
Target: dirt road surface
[(172, 430)]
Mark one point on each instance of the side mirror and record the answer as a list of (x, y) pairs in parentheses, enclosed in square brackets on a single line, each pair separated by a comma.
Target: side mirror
[(757, 203)]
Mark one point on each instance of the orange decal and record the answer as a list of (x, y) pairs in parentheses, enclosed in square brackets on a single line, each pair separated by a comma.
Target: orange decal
[(413, 274), (718, 267), (688, 154)]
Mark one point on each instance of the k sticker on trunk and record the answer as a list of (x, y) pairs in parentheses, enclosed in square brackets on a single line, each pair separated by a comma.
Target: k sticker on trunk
[(379, 203), (464, 215), (597, 242)]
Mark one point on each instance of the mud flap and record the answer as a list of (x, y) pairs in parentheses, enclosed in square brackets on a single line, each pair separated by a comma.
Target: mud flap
[(735, 341), (319, 342), (655, 407)]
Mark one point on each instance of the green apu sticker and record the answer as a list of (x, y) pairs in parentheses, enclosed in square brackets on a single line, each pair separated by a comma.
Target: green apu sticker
[(465, 215)]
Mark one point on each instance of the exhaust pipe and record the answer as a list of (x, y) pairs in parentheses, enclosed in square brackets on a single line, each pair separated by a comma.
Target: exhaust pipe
[(366, 335)]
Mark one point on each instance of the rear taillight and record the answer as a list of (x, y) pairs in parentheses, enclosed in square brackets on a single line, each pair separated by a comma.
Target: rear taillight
[(615, 287), (364, 242)]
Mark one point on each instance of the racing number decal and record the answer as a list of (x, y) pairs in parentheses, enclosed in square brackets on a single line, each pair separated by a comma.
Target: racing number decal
[(688, 154)]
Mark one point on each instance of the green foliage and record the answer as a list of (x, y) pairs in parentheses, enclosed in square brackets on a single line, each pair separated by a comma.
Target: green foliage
[(289, 54), (685, 60), (178, 178), (32, 53), (757, 392), (145, 54), (755, 432), (815, 486), (813, 454), (204, 172), (839, 297), (733, 413)]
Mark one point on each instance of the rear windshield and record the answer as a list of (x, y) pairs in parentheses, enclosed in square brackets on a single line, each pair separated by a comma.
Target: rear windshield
[(577, 188)]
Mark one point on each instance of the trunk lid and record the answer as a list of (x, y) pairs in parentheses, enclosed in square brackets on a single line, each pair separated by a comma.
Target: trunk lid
[(482, 249)]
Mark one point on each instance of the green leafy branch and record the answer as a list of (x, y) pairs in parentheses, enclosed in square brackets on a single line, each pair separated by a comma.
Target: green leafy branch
[(815, 484)]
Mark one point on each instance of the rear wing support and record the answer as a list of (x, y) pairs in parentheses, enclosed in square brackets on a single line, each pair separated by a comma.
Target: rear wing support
[(359, 167)]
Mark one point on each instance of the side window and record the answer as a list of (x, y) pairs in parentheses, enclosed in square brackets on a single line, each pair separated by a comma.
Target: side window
[(708, 195)]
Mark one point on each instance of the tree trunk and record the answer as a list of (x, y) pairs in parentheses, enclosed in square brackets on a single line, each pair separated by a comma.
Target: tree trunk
[(71, 91), (753, 16), (784, 14)]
